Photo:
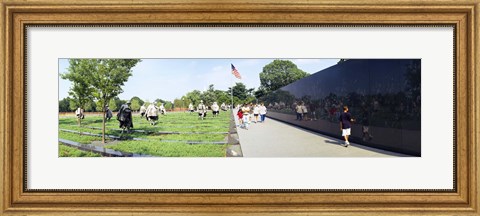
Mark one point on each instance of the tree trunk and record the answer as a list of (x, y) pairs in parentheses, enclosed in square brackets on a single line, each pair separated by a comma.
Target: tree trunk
[(103, 123)]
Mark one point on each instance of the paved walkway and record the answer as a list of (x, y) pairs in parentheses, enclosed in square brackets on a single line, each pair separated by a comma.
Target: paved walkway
[(276, 139)]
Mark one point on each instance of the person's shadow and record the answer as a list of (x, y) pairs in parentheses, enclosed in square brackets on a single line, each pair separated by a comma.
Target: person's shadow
[(334, 142)]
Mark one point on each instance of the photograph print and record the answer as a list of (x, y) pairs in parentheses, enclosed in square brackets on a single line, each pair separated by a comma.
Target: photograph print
[(239, 108)]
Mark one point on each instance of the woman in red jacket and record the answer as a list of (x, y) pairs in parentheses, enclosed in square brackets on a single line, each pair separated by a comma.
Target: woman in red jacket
[(240, 117)]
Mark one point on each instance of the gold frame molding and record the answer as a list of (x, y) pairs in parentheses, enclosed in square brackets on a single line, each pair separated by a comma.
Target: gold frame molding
[(17, 14)]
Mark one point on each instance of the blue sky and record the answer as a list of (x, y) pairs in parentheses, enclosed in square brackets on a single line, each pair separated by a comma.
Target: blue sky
[(168, 79)]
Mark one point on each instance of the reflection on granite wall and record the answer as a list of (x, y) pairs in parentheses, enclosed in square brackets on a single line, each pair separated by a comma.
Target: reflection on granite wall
[(383, 95)]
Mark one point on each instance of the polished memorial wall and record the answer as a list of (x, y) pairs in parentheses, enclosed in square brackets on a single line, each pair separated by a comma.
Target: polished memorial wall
[(383, 96)]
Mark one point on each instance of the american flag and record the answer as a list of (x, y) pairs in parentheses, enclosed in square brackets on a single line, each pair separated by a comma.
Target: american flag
[(235, 72)]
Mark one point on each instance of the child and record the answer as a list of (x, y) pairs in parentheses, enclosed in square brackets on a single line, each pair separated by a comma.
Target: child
[(240, 117)]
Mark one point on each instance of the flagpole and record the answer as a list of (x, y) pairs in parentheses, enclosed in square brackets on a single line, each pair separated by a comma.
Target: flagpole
[(237, 75), (231, 90)]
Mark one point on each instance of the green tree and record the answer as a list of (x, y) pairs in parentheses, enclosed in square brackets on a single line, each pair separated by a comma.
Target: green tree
[(280, 73), (159, 101), (193, 97), (73, 105), (237, 100), (260, 92), (103, 77), (112, 105), (239, 90), (168, 105), (81, 90), (250, 92), (178, 103), (136, 103), (108, 79), (250, 99), (119, 103), (223, 97), (91, 106), (147, 102), (140, 101), (185, 101), (64, 105), (209, 96)]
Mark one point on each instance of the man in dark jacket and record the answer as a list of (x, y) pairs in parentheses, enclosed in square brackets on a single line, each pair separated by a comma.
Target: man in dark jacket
[(124, 116)]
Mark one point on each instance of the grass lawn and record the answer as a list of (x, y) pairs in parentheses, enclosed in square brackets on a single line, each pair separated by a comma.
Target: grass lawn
[(84, 139), (153, 143), (167, 149), (67, 151)]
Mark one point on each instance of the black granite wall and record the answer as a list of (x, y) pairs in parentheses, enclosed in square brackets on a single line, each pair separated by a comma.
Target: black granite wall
[(383, 96)]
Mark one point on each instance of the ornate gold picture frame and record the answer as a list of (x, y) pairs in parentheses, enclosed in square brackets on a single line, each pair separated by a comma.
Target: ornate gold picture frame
[(16, 15)]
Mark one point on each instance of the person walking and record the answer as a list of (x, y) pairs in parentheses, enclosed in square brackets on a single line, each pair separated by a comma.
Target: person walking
[(263, 112), (163, 111), (190, 108), (108, 112), (246, 116), (202, 110), (223, 107), (215, 109), (80, 115), (152, 113), (240, 117), (345, 124), (256, 112), (143, 109), (124, 116)]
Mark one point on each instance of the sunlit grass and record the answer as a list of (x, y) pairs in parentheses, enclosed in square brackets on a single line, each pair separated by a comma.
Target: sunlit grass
[(191, 137), (84, 139), (67, 151), (178, 122), (166, 149), (192, 129)]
